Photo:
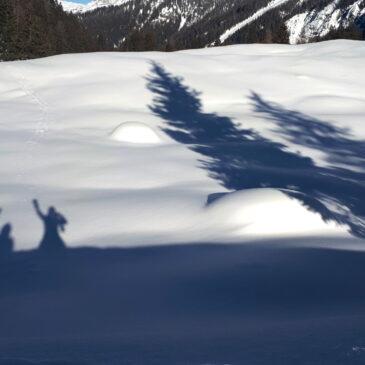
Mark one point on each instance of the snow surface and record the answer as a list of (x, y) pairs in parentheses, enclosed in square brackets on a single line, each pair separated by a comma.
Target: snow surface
[(254, 213), (58, 113)]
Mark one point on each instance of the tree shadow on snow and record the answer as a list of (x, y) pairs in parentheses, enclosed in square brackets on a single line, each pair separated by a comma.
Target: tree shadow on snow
[(242, 159), (344, 174), (337, 143), (196, 304)]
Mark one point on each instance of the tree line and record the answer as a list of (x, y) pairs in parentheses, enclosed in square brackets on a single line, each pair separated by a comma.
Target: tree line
[(38, 28)]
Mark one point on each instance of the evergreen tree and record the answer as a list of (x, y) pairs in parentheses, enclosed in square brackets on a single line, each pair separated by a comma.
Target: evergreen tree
[(39, 28), (7, 29)]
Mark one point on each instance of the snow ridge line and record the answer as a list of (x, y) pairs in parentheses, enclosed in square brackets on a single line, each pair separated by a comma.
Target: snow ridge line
[(272, 5)]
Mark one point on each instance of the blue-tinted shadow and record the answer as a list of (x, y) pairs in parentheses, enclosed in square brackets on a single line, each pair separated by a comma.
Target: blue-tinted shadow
[(242, 159)]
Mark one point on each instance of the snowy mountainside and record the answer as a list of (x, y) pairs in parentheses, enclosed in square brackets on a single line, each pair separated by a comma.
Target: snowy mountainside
[(72, 7), (183, 147), (182, 24), (164, 20), (92, 5), (303, 21), (254, 17), (313, 23)]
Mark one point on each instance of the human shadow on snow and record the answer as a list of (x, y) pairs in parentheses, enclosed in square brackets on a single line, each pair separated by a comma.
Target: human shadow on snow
[(51, 242), (207, 303), (53, 223), (255, 303), (242, 159)]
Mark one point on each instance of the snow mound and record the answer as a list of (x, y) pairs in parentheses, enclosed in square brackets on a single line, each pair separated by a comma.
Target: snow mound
[(267, 212), (135, 132)]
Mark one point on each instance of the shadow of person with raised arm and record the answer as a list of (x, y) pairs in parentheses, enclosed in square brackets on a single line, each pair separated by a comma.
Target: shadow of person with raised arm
[(54, 222), (242, 159), (6, 241)]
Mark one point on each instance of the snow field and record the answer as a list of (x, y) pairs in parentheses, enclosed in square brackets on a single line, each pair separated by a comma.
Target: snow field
[(58, 113)]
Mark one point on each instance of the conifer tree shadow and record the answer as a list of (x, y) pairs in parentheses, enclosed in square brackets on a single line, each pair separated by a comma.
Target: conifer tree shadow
[(53, 222), (344, 154), (242, 159), (345, 157)]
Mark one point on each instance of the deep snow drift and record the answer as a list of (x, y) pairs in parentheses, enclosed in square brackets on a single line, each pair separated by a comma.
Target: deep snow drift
[(134, 149)]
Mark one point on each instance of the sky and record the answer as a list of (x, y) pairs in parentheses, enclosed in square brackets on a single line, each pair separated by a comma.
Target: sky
[(81, 1)]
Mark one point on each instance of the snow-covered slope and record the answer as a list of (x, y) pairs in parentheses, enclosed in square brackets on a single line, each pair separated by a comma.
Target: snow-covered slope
[(271, 5), (135, 148), (92, 5), (72, 7), (313, 23)]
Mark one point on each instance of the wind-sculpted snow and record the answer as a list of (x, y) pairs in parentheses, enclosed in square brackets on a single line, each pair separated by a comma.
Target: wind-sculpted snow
[(243, 132)]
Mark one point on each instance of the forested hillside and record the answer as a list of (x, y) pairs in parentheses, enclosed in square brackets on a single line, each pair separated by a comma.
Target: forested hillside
[(142, 25), (38, 28)]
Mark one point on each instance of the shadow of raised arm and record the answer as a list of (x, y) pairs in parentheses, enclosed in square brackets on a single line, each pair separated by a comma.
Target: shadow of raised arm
[(37, 209)]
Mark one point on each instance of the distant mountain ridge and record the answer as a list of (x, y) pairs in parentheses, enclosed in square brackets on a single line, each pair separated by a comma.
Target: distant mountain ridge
[(181, 24)]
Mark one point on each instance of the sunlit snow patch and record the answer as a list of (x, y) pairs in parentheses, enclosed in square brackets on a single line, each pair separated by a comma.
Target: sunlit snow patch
[(268, 212), (136, 132)]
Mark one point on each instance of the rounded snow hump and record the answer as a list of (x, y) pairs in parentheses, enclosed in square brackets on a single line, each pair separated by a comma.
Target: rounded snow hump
[(136, 132)]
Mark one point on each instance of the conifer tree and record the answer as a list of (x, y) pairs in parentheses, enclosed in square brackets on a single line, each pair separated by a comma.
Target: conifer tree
[(7, 29)]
